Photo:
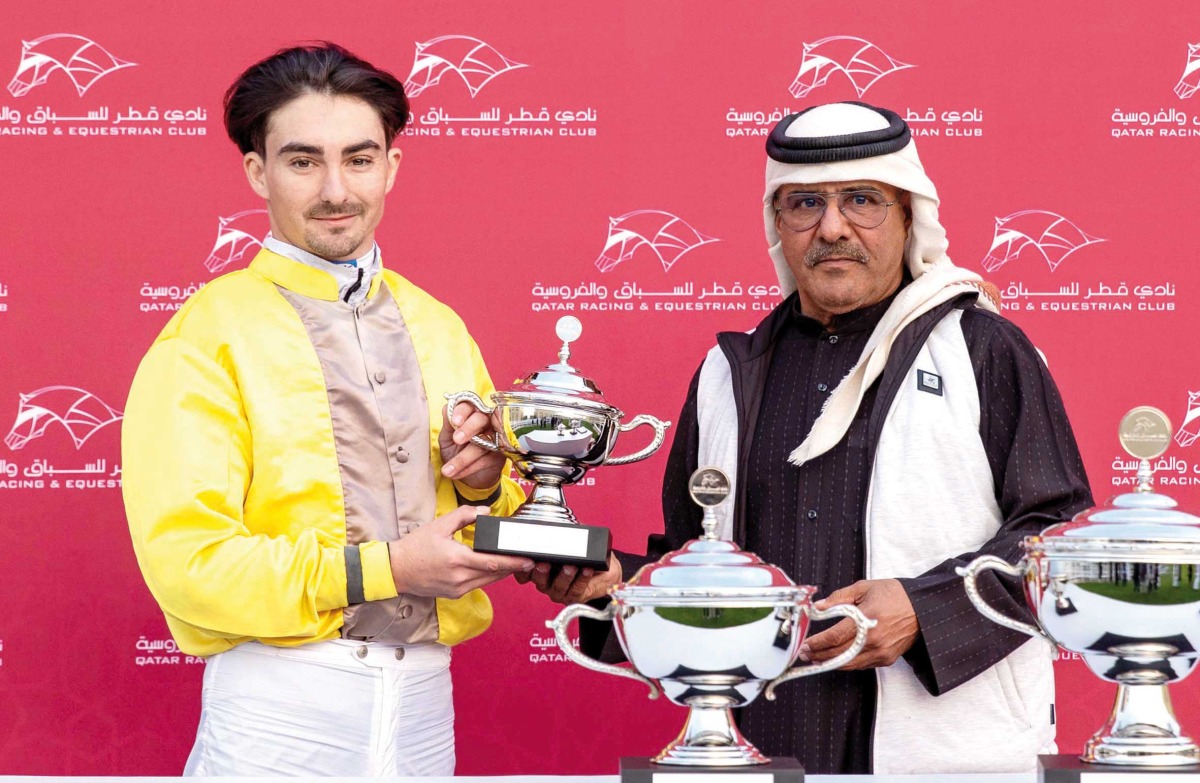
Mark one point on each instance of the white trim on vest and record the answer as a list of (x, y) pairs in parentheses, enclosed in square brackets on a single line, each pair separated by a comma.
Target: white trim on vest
[(940, 503), (716, 414)]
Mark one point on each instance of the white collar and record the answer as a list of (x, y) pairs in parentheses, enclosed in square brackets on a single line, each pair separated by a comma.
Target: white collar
[(352, 286)]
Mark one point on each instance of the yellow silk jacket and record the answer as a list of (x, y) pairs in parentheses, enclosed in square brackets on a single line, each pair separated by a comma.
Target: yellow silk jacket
[(231, 477)]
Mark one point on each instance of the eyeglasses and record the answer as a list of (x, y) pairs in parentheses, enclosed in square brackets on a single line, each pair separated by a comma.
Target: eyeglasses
[(801, 211)]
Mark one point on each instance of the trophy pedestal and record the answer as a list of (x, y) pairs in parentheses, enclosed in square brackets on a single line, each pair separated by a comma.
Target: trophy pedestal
[(1069, 768), (1142, 730), (640, 769), (585, 546)]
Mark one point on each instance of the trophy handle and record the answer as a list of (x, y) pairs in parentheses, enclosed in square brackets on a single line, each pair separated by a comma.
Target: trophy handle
[(992, 563), (660, 434), (860, 640), (452, 400), (559, 626)]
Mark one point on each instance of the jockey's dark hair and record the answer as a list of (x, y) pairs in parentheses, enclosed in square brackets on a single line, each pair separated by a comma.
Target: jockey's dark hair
[(320, 67)]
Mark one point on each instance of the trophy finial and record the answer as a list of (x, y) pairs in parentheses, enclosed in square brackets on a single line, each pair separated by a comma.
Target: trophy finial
[(709, 488), (568, 330), (1145, 433)]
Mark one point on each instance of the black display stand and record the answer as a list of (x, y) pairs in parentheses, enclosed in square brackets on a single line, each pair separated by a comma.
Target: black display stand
[(639, 769), (588, 548), (1068, 768)]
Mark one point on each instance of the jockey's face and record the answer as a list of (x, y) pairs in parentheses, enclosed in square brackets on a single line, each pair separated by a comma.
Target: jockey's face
[(324, 174)]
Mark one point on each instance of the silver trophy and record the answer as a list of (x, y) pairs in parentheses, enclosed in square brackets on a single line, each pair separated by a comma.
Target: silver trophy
[(1120, 585), (712, 627), (554, 425)]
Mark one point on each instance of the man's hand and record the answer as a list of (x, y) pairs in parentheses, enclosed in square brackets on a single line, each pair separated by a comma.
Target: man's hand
[(429, 561), (882, 600), (463, 460), (572, 585)]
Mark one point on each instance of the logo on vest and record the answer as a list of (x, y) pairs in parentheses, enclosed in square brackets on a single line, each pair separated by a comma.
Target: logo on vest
[(928, 382)]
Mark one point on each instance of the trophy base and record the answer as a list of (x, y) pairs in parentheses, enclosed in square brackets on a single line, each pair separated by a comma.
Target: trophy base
[(585, 546), (1142, 730), (1068, 768), (641, 769), (1155, 752)]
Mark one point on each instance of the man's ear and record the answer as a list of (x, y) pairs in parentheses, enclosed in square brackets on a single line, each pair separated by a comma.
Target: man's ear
[(393, 161), (256, 173)]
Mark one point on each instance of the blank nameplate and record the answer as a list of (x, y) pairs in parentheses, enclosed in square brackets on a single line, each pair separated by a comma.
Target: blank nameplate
[(585, 546), (558, 540)]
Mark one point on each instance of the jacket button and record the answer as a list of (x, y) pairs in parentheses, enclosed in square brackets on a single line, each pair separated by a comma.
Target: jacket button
[(401, 455), (380, 376), (833, 338), (360, 651), (822, 387), (405, 612), (812, 514), (399, 653)]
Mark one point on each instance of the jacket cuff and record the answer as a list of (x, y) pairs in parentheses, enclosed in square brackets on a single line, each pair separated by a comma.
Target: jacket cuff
[(469, 496), (377, 581), (956, 642), (917, 656)]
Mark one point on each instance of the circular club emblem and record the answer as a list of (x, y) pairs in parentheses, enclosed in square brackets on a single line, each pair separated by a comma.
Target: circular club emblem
[(568, 328), (709, 487), (1145, 432)]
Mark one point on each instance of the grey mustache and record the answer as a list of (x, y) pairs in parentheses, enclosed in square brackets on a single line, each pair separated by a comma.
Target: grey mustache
[(821, 250)]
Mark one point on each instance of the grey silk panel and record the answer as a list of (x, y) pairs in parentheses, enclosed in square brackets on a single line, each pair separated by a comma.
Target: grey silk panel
[(381, 433)]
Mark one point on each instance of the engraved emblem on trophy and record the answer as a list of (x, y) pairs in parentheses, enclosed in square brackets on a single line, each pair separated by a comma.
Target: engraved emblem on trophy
[(712, 627), (554, 425), (1119, 584)]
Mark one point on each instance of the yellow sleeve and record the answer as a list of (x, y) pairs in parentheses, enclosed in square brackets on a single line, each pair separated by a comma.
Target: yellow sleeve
[(187, 466)]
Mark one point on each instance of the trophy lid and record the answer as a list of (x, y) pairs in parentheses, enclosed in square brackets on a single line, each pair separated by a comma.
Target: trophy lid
[(560, 378), (702, 563), (1142, 522), (709, 562)]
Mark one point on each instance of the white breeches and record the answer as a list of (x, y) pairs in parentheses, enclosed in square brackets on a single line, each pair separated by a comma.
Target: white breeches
[(335, 709)]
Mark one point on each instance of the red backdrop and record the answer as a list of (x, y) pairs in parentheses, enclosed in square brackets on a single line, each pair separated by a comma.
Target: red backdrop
[(536, 181)]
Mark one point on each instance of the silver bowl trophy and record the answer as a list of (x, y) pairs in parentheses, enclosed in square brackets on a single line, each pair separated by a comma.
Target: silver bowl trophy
[(712, 627), (1120, 585), (554, 425)]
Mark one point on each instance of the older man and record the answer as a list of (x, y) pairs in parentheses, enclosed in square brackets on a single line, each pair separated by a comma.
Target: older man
[(297, 494), (883, 424)]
